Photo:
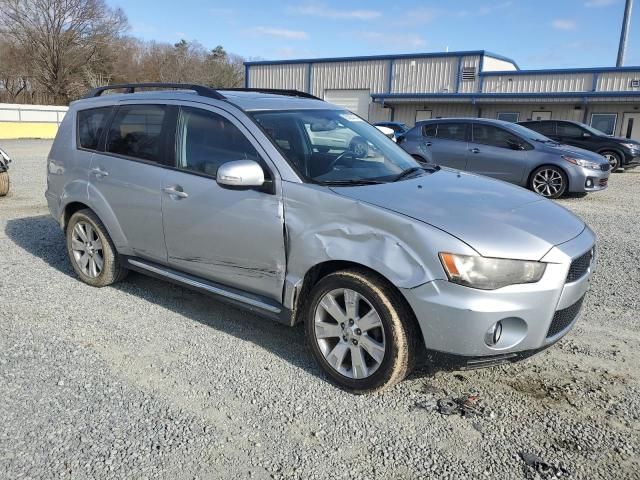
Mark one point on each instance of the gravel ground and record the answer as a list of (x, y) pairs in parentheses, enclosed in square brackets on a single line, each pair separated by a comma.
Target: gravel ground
[(150, 380)]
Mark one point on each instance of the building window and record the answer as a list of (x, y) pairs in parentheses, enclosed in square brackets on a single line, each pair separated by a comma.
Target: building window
[(509, 116), (605, 122)]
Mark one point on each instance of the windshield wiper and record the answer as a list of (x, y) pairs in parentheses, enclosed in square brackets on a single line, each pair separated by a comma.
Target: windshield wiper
[(354, 181), (553, 142), (407, 172)]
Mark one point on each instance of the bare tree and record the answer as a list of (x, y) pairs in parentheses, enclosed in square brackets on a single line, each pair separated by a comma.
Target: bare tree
[(62, 38), (14, 71)]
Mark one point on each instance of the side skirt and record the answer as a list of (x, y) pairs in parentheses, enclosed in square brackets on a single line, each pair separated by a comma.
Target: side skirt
[(260, 305)]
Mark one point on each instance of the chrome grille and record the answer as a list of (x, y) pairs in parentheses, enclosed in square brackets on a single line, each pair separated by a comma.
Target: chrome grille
[(563, 318), (580, 266)]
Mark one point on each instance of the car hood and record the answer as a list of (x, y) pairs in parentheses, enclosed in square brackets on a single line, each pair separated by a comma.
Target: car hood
[(562, 149), (622, 140), (494, 218)]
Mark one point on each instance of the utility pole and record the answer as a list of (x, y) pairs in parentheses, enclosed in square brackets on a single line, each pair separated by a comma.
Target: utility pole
[(626, 22)]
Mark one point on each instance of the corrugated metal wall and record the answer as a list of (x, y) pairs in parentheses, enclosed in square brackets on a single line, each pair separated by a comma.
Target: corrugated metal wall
[(618, 81), (468, 86), (289, 75), (558, 111), (406, 113), (412, 75), (371, 75), (563, 82)]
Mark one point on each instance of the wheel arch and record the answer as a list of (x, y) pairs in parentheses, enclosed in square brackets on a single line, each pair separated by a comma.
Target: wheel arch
[(321, 270), (616, 150), (104, 213)]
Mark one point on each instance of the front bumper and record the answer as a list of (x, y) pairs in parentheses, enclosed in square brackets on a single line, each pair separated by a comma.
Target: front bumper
[(631, 155), (587, 180), (455, 319)]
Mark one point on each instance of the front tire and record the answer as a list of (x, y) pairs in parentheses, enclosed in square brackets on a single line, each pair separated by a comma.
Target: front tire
[(91, 251), (360, 331), (549, 181), (614, 159), (4, 183)]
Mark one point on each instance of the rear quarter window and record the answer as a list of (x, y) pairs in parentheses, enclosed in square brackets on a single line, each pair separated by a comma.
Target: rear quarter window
[(90, 126)]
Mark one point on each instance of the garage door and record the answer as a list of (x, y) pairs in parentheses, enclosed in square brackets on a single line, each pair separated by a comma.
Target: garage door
[(356, 101)]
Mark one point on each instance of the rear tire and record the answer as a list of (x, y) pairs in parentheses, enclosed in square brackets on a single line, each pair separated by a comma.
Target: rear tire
[(549, 181), (4, 183), (360, 330), (614, 159), (91, 251)]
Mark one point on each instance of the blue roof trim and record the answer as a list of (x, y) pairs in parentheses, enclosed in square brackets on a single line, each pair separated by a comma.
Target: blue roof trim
[(381, 57), (384, 96), (561, 70)]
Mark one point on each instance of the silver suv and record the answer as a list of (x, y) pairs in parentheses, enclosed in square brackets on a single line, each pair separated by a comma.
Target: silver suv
[(301, 211)]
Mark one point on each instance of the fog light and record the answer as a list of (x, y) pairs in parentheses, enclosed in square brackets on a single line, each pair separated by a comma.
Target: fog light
[(492, 337), (589, 183)]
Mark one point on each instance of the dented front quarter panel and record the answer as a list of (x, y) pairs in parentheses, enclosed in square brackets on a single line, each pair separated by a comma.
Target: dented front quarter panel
[(324, 226)]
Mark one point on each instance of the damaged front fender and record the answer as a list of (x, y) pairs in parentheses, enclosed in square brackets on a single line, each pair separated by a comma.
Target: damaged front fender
[(322, 226)]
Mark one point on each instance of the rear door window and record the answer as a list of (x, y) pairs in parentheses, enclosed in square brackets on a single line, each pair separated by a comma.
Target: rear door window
[(494, 136), (545, 128), (91, 125), (452, 131), (136, 131), (430, 130), (569, 130)]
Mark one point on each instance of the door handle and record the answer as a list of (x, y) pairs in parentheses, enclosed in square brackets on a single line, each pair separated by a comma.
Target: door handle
[(475, 150), (99, 173), (427, 144), (174, 192)]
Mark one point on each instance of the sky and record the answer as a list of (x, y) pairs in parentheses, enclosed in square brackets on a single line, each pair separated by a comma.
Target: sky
[(535, 33)]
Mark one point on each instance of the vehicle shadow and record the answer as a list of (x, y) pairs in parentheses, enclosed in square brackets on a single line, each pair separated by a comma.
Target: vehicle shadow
[(41, 236)]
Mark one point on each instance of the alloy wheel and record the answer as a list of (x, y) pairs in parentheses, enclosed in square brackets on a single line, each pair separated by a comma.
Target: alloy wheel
[(548, 182), (612, 159), (87, 249), (349, 333)]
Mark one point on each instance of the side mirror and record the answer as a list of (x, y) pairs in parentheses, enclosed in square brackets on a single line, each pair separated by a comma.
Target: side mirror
[(240, 173), (401, 138), (388, 132)]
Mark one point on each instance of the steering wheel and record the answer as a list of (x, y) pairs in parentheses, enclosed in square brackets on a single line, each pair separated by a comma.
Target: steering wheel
[(339, 158)]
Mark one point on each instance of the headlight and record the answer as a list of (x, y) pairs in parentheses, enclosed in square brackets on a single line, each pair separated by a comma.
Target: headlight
[(632, 146), (490, 273), (582, 163)]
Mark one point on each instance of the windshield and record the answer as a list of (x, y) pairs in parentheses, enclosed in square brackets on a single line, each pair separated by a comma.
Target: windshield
[(528, 133), (593, 131), (334, 146)]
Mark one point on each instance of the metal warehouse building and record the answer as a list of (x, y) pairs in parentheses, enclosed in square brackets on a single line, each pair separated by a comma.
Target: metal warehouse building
[(408, 88)]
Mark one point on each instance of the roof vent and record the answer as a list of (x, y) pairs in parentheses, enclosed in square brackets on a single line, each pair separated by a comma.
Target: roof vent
[(468, 74)]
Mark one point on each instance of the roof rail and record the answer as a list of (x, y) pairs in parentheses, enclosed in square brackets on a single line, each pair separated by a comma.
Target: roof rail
[(275, 91), (198, 89), (132, 87)]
